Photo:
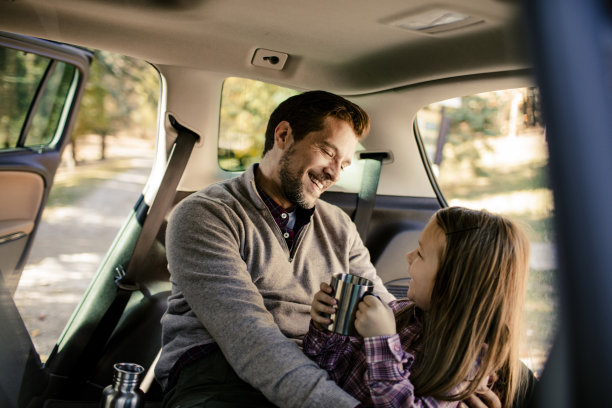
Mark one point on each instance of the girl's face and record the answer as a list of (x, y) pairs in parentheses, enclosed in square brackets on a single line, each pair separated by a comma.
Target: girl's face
[(423, 264)]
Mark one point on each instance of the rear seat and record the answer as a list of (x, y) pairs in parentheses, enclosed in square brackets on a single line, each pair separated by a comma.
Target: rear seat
[(392, 266)]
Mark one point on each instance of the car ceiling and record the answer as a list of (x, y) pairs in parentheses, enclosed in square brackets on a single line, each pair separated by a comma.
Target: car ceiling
[(346, 46)]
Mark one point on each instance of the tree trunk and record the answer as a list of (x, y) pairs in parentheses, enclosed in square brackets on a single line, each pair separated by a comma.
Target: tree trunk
[(74, 152), (103, 146)]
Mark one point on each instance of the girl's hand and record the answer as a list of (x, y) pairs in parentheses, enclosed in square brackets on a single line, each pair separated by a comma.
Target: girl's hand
[(374, 318), (322, 306), (484, 397)]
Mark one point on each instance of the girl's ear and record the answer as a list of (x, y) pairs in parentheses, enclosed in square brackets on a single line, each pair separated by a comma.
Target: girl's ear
[(283, 135)]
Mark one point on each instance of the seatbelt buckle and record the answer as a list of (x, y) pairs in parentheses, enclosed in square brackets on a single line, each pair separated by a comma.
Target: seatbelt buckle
[(120, 275)]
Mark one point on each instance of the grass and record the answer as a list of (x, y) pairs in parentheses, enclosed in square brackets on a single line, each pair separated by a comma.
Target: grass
[(488, 181), (72, 184)]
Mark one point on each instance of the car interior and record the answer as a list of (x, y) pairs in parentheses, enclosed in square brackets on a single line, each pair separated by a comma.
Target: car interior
[(407, 63)]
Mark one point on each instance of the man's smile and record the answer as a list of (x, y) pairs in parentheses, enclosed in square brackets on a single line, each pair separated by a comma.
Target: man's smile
[(319, 184)]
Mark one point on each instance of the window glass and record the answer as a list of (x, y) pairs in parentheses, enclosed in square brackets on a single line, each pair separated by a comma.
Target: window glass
[(20, 76), (489, 151), (246, 106), (54, 105)]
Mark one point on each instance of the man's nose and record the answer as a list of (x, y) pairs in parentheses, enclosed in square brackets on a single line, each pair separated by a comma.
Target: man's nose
[(333, 171)]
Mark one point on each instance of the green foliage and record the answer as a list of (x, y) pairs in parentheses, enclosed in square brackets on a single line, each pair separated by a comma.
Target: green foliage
[(47, 119), (93, 117), (20, 74), (476, 116), (121, 95), (246, 106)]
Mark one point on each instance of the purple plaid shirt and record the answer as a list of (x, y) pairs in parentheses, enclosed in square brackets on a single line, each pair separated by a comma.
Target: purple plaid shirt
[(375, 370)]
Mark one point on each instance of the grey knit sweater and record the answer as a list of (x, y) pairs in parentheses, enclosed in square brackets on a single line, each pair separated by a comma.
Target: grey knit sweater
[(235, 283)]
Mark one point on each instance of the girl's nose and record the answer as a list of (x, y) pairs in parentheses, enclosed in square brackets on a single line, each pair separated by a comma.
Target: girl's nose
[(410, 256)]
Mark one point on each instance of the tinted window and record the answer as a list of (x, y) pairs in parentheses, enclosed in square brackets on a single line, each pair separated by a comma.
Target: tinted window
[(36, 92), (53, 105)]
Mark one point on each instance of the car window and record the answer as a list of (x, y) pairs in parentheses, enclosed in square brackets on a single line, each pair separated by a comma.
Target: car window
[(489, 151), (246, 106), (36, 94), (45, 128)]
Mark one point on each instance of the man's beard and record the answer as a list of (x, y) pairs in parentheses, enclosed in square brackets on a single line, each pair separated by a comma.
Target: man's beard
[(291, 182)]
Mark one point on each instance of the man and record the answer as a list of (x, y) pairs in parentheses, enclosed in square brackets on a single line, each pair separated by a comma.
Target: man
[(246, 257)]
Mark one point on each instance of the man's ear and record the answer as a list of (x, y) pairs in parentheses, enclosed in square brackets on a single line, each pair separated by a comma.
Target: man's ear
[(283, 135)]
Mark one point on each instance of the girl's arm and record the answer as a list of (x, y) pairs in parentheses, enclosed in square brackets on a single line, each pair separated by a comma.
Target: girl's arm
[(388, 365), (331, 351)]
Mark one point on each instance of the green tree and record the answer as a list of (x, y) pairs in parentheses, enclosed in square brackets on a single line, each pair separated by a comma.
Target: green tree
[(93, 116), (476, 118), (121, 95)]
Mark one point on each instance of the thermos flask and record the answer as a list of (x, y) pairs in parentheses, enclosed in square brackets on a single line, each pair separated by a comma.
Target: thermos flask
[(124, 391)]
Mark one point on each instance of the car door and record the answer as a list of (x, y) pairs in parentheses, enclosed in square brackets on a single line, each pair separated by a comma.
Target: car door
[(41, 84)]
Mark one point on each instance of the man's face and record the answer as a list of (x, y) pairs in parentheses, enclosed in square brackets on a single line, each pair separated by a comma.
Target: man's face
[(312, 165)]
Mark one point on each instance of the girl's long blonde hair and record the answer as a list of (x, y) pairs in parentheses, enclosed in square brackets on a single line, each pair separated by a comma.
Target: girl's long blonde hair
[(477, 299)]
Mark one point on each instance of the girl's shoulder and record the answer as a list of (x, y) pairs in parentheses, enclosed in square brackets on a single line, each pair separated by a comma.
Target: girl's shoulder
[(400, 304)]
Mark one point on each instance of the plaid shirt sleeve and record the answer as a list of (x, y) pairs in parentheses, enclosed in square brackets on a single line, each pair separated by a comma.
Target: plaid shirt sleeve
[(388, 375), (326, 348)]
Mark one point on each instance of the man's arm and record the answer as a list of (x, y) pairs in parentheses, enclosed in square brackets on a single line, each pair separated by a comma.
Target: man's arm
[(205, 261)]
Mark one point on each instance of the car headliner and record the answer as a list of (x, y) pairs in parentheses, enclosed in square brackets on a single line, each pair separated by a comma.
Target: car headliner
[(348, 46)]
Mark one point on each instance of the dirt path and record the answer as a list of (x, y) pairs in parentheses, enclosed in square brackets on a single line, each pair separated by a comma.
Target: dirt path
[(72, 241)]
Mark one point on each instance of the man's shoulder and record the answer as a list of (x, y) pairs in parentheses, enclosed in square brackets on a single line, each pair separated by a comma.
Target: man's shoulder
[(217, 192), (328, 210), (234, 189), (222, 197)]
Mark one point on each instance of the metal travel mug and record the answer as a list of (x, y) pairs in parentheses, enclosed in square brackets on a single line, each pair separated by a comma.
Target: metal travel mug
[(348, 290)]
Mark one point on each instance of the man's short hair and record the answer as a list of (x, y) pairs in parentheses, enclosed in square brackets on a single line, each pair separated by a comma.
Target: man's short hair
[(306, 113)]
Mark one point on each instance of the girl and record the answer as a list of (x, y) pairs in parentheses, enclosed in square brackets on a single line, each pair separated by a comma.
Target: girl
[(460, 323)]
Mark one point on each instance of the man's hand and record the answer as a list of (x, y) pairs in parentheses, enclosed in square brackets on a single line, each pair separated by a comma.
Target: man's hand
[(322, 306), (374, 318)]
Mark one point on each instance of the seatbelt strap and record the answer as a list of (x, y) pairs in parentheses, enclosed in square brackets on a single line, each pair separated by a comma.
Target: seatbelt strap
[(367, 193), (124, 280), (183, 146)]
